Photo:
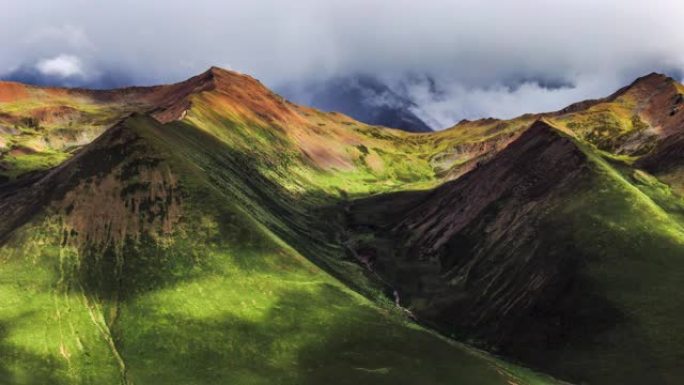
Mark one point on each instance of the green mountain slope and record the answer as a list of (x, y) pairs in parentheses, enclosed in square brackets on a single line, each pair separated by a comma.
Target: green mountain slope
[(132, 263), (42, 126)]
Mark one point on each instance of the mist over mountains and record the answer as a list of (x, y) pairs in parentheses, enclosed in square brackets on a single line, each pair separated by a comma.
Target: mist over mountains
[(362, 97), (494, 61)]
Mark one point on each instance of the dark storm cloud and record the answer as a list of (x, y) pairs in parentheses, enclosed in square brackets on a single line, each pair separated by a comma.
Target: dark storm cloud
[(454, 59)]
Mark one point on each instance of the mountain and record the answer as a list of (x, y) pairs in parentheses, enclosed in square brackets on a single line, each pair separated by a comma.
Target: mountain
[(41, 127), (186, 244), (465, 236), (107, 79), (362, 97), (544, 252), (211, 231)]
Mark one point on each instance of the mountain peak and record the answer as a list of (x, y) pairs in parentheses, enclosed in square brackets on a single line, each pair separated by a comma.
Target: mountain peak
[(220, 71), (653, 80), (215, 69), (221, 76), (653, 76), (215, 72), (172, 101), (645, 86)]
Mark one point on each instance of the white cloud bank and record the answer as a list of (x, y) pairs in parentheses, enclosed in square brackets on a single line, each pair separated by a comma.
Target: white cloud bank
[(63, 66), (480, 53)]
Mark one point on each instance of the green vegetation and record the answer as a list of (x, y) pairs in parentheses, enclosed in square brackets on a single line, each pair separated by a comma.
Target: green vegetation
[(212, 249), (216, 298), (610, 237), (628, 227), (44, 129), (22, 164)]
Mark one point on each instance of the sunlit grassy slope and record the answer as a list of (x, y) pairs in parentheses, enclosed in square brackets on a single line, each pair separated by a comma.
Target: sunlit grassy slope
[(148, 266), (41, 127)]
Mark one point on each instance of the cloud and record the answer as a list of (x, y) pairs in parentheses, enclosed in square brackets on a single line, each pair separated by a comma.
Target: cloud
[(527, 55), (63, 66), (67, 35), (450, 101)]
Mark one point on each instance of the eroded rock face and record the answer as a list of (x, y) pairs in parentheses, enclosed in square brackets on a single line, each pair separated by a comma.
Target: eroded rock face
[(116, 190), (109, 211)]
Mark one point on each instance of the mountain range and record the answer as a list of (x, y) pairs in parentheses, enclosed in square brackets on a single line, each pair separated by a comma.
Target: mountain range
[(212, 232), (364, 98)]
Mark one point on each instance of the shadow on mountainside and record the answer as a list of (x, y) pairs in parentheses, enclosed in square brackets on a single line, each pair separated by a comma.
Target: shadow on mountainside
[(19, 366), (305, 337)]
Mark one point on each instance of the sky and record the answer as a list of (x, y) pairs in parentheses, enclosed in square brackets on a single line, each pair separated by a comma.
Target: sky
[(453, 59)]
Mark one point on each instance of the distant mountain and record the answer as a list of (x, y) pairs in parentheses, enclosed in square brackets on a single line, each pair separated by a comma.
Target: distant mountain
[(362, 97), (107, 80)]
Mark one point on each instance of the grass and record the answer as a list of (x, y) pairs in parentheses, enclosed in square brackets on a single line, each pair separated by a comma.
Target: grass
[(252, 284), (51, 138), (633, 240), (221, 298), (616, 234), (22, 164)]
